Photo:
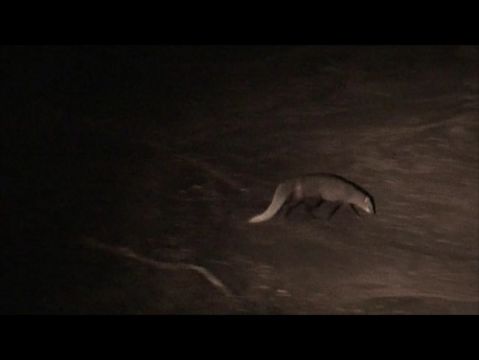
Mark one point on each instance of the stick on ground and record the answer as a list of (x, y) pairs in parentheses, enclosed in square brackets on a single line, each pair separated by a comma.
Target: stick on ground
[(161, 265)]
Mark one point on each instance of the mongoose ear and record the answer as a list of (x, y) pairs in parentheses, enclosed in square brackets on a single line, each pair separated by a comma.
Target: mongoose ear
[(369, 203)]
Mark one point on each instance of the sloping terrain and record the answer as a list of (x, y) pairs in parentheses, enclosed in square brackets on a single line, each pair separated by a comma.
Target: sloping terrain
[(169, 184)]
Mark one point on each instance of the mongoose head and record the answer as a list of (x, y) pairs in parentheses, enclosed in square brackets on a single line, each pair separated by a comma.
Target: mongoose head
[(366, 204)]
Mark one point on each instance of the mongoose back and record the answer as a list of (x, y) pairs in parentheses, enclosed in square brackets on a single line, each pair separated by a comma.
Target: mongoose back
[(317, 188)]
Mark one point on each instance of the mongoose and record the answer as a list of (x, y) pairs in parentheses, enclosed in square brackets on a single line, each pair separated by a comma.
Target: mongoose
[(313, 190)]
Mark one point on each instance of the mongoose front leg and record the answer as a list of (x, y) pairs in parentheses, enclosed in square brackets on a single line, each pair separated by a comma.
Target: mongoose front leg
[(334, 211), (355, 210)]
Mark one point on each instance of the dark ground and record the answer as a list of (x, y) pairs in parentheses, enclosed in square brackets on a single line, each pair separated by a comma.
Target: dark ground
[(120, 163)]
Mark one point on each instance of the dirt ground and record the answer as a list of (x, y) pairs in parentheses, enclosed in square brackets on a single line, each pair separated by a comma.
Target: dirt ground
[(129, 192)]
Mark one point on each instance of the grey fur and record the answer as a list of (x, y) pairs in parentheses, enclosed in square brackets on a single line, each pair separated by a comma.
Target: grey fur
[(321, 186)]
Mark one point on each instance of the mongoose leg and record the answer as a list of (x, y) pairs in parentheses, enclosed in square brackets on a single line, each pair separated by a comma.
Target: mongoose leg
[(334, 211), (310, 210), (292, 205), (355, 210), (310, 207), (319, 203)]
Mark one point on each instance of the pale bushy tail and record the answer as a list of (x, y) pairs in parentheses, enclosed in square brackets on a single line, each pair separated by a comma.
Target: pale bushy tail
[(280, 196)]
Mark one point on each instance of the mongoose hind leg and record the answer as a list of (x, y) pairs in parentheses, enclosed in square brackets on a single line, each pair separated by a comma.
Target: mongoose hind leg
[(290, 207), (311, 206)]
